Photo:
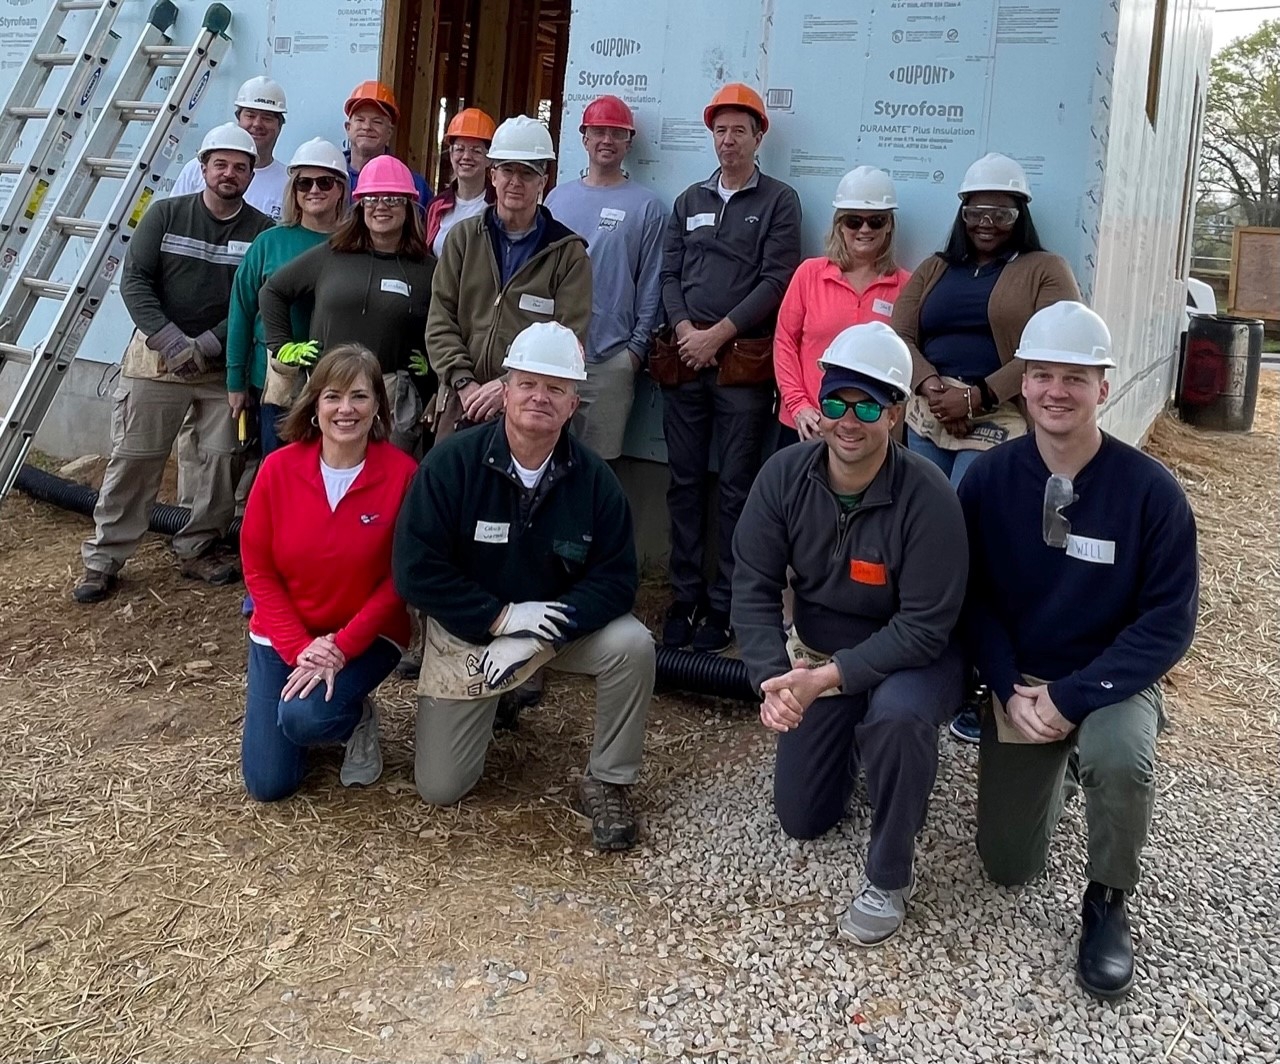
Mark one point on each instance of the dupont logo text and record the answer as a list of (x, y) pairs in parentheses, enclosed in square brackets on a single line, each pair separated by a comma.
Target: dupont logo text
[(615, 47), (951, 112), (922, 74)]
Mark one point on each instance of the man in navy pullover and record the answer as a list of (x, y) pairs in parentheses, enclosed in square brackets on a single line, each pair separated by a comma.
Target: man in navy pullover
[(1083, 589)]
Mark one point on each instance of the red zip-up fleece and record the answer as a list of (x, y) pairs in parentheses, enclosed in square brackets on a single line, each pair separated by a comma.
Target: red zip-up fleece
[(312, 570)]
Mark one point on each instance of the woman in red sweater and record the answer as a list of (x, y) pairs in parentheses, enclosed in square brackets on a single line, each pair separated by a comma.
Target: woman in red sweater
[(327, 625), (855, 282)]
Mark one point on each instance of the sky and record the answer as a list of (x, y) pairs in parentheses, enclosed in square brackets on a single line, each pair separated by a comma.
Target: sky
[(1229, 23)]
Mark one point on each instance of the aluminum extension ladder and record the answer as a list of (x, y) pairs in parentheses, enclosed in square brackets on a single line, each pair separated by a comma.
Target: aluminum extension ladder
[(61, 121), (139, 178)]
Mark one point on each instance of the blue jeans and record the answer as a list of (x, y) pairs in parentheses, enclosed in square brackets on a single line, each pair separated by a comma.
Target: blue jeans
[(955, 464), (273, 750), (269, 415)]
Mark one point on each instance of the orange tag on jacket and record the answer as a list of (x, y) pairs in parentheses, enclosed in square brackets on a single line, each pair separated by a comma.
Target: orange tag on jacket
[(868, 572)]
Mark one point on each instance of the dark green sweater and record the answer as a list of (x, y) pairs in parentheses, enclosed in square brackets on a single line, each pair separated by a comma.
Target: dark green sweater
[(465, 546), (368, 298)]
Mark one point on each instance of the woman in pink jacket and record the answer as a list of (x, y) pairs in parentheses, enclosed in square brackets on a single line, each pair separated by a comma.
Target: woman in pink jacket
[(856, 281)]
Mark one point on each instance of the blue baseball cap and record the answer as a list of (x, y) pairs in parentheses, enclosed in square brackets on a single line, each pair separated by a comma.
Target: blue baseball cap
[(837, 377)]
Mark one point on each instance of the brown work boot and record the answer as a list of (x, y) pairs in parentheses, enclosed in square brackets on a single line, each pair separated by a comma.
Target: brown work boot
[(607, 805), (94, 586), (217, 566)]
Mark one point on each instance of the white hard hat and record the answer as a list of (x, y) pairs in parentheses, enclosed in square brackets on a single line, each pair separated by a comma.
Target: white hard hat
[(1066, 332), (874, 353), (996, 173), (228, 137), (522, 139), (319, 152), (262, 94), (865, 188), (549, 348)]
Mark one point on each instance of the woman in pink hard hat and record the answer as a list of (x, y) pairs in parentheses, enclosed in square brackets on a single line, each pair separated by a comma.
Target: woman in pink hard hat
[(369, 284)]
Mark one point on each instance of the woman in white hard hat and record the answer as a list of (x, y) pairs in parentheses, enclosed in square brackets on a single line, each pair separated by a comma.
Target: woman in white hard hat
[(855, 282), (962, 315), (315, 201)]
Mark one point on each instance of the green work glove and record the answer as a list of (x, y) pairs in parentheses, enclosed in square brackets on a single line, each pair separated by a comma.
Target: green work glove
[(419, 365), (299, 354)]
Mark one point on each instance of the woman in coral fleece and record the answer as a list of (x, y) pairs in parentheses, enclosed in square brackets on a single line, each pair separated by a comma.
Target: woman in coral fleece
[(855, 282), (327, 627)]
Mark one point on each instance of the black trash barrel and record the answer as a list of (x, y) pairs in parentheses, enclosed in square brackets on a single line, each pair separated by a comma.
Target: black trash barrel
[(1219, 384)]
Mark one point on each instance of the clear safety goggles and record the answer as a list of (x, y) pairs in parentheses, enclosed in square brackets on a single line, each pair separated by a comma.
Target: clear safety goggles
[(1059, 493), (999, 217)]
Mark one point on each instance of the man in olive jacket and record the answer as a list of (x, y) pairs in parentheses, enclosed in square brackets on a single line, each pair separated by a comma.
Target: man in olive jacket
[(516, 543)]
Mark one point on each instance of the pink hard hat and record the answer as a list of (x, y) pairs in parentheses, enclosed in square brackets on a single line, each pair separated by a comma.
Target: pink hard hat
[(385, 175)]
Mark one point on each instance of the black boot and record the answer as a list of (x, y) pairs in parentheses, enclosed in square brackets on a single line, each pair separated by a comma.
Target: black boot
[(1104, 966)]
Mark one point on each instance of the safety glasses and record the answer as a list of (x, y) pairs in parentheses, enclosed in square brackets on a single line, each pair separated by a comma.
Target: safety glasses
[(865, 410), (1059, 493), (999, 217), (854, 222), (324, 184), (385, 201)]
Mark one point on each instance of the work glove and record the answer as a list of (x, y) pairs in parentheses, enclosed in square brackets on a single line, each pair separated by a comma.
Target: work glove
[(542, 620), (505, 655), (175, 349), (418, 364), (302, 353)]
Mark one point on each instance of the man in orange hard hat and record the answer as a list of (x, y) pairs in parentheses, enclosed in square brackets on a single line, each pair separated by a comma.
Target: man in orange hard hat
[(622, 222), (372, 115), (467, 141), (732, 244)]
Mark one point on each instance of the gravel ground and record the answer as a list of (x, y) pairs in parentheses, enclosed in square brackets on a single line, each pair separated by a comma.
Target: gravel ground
[(979, 973)]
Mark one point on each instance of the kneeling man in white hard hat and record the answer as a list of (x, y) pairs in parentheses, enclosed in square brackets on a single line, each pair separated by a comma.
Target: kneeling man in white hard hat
[(1082, 595), (515, 541), (871, 539)]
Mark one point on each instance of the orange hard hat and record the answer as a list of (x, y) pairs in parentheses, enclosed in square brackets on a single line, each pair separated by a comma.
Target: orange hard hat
[(608, 111), (738, 95), (372, 92), (471, 122)]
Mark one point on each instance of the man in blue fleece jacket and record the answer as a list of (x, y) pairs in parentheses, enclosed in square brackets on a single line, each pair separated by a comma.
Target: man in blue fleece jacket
[(1082, 594)]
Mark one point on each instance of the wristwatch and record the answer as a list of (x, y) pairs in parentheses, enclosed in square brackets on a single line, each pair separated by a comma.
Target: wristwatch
[(462, 382)]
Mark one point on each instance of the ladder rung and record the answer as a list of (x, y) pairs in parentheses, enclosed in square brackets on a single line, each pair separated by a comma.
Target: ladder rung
[(79, 5), (48, 289), (17, 352), (166, 51), (104, 166), (77, 226), (11, 168), (136, 110), (28, 112), (56, 59)]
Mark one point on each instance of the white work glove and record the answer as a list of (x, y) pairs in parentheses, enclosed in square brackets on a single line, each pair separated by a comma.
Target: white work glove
[(545, 620), (505, 655)]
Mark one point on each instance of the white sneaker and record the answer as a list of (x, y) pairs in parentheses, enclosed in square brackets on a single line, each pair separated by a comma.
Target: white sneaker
[(874, 915), (362, 763)]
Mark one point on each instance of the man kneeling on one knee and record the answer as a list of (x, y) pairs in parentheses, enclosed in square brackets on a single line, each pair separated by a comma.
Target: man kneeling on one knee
[(872, 541), (516, 543), (1082, 595)]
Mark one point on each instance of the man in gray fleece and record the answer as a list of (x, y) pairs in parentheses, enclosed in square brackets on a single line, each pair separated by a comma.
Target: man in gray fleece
[(872, 541)]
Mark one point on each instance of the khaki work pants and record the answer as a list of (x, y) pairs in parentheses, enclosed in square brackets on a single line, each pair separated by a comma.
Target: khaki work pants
[(453, 734), (144, 423), (604, 405), (1020, 793)]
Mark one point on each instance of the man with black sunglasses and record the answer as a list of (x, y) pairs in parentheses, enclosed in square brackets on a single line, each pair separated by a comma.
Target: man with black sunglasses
[(871, 539), (1082, 595)]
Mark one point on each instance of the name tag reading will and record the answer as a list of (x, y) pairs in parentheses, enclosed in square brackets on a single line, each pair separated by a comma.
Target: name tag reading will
[(398, 287), (881, 306), (538, 305), (697, 221), (1098, 551), (492, 531)]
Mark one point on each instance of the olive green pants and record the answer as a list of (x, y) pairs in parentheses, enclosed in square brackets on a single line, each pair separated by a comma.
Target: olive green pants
[(1020, 793)]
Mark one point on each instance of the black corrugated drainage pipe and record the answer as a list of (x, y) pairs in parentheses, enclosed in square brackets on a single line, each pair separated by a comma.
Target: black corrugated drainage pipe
[(685, 670)]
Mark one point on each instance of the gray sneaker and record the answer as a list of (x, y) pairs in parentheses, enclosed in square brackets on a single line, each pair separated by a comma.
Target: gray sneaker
[(874, 915), (362, 763)]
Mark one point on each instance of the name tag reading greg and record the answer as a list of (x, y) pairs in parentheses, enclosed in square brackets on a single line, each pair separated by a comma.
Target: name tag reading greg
[(1098, 551), (537, 304), (390, 284), (697, 221), (492, 531)]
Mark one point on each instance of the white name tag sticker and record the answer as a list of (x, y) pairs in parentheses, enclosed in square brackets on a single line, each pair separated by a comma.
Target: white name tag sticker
[(538, 305), (492, 531), (612, 214), (1098, 551), (398, 287), (881, 306), (697, 221), (237, 247)]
